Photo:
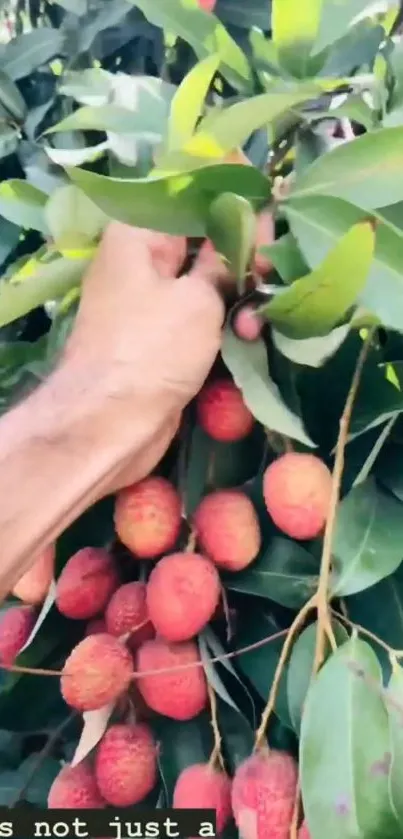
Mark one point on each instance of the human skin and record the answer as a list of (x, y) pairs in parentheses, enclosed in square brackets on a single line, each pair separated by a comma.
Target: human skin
[(142, 345)]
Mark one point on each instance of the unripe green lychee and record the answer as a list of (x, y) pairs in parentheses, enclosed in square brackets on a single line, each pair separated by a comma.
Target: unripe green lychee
[(227, 529), (263, 795), (297, 489), (126, 764), (16, 625), (148, 517), (183, 592), (86, 583), (200, 786), (97, 671), (127, 613), (75, 788), (222, 412), (180, 691)]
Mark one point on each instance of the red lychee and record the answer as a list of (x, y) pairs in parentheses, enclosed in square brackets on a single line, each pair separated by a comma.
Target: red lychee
[(183, 592), (126, 764), (95, 627), (86, 583), (16, 625), (148, 517), (180, 692), (222, 413), (263, 795), (33, 586), (227, 529), (297, 489), (127, 612), (75, 788), (248, 324), (97, 671), (304, 832), (202, 787), (207, 5)]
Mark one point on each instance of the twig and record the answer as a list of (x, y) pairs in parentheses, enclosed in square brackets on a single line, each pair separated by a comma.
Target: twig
[(216, 755), (324, 578), (368, 633), (299, 620), (295, 814), (43, 754)]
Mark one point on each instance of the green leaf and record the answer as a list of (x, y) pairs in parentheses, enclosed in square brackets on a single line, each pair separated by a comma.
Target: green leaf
[(286, 258), (46, 281), (182, 744), (336, 17), (367, 171), (88, 87), (9, 140), (237, 736), (284, 572), (380, 609), (231, 226), (176, 204), (29, 51), (109, 118), (313, 305), (22, 204), (11, 99), (76, 157), (212, 675), (394, 705), (73, 220), (300, 667), (248, 364), (205, 34), (311, 352), (367, 544), (318, 223), (294, 28), (344, 748), (188, 102)]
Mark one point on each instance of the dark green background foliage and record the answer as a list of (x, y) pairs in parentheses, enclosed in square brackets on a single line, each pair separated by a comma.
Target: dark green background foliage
[(93, 95)]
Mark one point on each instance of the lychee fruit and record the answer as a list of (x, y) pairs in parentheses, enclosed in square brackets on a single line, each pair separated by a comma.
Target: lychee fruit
[(97, 672), (222, 412), (126, 764), (127, 613), (202, 787), (148, 517), (247, 323), (96, 626), (16, 625), (34, 585), (263, 795), (227, 529), (75, 788), (207, 5), (303, 832), (183, 593), (86, 583), (297, 489), (180, 691)]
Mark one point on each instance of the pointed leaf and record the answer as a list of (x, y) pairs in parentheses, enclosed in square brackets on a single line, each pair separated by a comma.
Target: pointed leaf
[(22, 204), (95, 725), (336, 17), (10, 98), (343, 770), (368, 538), (29, 51), (46, 607), (249, 367), (231, 227), (109, 118), (217, 650), (73, 220), (76, 157), (88, 87), (176, 204), (286, 258), (212, 676), (294, 27), (312, 352), (188, 102)]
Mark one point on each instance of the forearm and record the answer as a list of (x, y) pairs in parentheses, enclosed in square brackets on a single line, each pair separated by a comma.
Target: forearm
[(58, 455)]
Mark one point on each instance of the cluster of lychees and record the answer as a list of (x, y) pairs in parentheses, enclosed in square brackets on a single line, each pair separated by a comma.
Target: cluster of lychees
[(146, 632)]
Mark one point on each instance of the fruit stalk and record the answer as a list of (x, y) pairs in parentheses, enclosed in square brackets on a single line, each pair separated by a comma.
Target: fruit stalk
[(216, 755)]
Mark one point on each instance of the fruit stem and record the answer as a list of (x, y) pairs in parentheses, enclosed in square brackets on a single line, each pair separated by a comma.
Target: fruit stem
[(216, 755), (295, 814), (325, 567), (296, 624)]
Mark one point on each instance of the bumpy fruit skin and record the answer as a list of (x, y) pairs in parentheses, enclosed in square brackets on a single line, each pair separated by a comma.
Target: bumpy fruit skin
[(97, 671), (179, 694), (263, 795), (86, 583), (95, 627), (33, 586), (247, 324), (16, 625), (227, 529), (148, 517), (183, 593), (222, 413), (127, 611), (304, 832), (126, 764), (297, 489), (75, 788), (202, 787)]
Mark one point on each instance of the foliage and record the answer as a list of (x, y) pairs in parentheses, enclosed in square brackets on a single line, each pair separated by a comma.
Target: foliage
[(107, 107)]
